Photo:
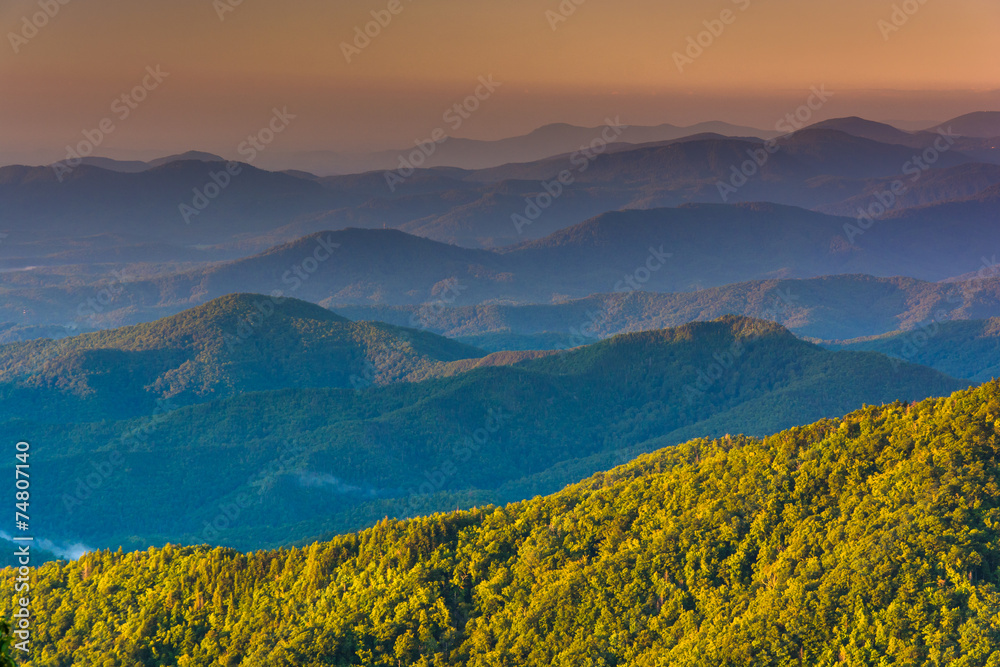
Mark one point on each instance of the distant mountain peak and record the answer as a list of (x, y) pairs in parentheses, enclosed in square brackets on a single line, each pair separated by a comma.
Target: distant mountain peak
[(865, 129), (239, 304), (199, 156), (980, 124)]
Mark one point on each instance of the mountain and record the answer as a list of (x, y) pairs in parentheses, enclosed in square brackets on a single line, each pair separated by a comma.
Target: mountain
[(136, 166), (975, 208), (167, 205), (715, 245), (984, 124), (693, 247), (365, 265), (938, 186), (90, 201), (812, 168), (975, 145), (805, 154), (827, 308), (327, 459), (867, 129), (13, 333), (912, 125), (967, 349), (807, 547), (199, 156), (544, 142), (123, 166), (350, 266), (674, 249), (232, 345)]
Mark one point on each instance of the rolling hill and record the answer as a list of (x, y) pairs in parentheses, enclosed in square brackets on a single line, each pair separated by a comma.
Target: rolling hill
[(860, 540), (232, 345), (967, 349), (939, 186), (984, 124), (828, 308), (543, 142), (91, 201), (690, 248), (313, 460), (867, 129), (135, 166)]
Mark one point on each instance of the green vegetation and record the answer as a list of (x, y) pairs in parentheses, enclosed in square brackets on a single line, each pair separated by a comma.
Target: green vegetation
[(317, 460), (961, 349), (866, 540), (232, 345), (505, 340), (6, 645)]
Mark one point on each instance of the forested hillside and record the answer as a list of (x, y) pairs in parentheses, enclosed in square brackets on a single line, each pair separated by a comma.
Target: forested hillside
[(308, 461), (231, 345), (965, 349), (866, 540)]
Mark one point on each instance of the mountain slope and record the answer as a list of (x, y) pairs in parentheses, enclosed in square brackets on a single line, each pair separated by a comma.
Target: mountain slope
[(807, 153), (543, 142), (939, 186), (317, 460), (693, 247), (829, 308), (168, 204), (984, 124), (867, 129), (235, 344), (969, 349), (91, 200), (866, 540)]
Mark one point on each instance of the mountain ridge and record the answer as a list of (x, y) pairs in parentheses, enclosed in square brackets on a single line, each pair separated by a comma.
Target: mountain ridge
[(495, 432), (795, 548)]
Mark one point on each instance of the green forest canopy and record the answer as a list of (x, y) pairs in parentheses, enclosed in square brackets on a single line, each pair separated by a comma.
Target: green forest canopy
[(866, 540)]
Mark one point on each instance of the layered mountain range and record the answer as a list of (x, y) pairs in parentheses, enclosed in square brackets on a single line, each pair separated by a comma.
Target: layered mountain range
[(335, 349), (189, 413)]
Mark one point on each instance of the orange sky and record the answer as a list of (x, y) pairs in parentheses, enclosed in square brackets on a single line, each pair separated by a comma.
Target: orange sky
[(606, 57)]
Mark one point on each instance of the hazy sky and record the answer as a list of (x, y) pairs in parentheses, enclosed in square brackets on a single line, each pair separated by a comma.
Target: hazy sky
[(606, 58)]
